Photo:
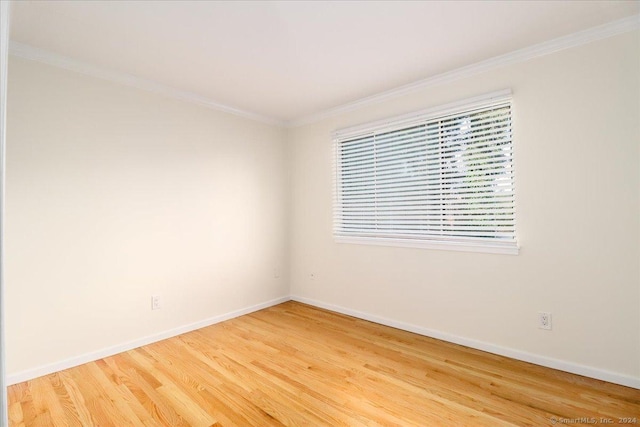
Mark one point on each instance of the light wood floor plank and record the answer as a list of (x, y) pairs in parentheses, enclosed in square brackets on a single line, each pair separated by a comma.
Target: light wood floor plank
[(45, 399), (15, 414), (75, 399), (144, 387), (294, 365), (204, 388)]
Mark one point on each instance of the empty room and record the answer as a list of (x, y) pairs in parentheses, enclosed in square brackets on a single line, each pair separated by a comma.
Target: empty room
[(319, 213)]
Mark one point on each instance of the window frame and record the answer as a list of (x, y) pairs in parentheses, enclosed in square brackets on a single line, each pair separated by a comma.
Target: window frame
[(485, 245)]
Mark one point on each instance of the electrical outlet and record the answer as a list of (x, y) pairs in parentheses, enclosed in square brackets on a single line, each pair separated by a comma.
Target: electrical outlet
[(276, 273), (544, 320), (156, 302), (312, 276)]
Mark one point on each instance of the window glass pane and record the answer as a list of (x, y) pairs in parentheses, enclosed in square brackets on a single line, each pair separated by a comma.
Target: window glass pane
[(447, 178)]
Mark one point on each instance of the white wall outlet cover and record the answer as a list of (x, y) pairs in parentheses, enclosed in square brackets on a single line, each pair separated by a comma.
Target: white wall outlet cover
[(544, 320), (156, 302)]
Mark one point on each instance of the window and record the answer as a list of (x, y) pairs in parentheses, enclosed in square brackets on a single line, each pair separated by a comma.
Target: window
[(441, 178)]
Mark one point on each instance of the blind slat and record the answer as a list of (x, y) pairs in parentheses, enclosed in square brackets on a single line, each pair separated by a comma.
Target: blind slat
[(448, 177), (426, 142)]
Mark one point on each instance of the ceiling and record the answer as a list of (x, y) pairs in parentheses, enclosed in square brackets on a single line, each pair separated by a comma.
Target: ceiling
[(287, 60)]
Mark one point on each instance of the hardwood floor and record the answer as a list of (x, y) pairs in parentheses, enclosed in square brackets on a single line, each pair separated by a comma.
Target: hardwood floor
[(296, 365)]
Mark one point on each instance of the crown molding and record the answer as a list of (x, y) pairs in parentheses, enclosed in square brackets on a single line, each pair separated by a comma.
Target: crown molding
[(35, 54), (566, 42)]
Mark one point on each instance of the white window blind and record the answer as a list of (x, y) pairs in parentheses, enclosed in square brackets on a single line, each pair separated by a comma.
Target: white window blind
[(441, 176)]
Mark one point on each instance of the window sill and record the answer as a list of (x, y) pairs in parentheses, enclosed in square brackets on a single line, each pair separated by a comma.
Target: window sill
[(491, 248)]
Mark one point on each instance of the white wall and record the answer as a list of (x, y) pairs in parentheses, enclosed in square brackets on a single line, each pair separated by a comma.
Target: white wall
[(115, 194), (577, 141)]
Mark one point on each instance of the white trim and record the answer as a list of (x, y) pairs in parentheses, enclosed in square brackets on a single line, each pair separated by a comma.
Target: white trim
[(5, 7), (34, 54), (610, 29), (510, 248), (536, 359), (548, 362), (29, 374), (573, 40)]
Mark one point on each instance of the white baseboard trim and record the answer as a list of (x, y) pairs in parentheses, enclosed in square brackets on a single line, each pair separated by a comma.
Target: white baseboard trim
[(130, 345), (548, 362)]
